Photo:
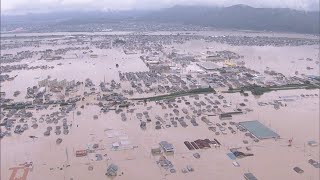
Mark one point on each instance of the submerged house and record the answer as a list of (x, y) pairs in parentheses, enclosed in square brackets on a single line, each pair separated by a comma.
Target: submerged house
[(167, 147), (225, 116), (156, 151), (202, 144), (249, 176), (112, 170)]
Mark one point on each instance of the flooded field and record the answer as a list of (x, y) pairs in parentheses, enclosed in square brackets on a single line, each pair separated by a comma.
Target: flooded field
[(261, 58)]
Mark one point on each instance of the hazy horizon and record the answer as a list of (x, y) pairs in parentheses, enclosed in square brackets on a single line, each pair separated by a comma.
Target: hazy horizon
[(12, 7)]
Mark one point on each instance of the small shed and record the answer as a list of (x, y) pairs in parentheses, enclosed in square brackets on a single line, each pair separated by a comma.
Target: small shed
[(156, 151), (115, 145)]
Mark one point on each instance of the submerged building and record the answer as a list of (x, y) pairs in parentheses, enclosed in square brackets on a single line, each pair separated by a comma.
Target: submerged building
[(259, 130)]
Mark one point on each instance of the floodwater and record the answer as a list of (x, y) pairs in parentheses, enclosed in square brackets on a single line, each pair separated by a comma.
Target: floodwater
[(205, 33), (64, 34), (299, 121), (286, 60), (97, 69)]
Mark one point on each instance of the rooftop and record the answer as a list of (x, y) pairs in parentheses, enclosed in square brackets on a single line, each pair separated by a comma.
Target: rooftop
[(166, 146), (208, 65), (259, 130), (249, 176)]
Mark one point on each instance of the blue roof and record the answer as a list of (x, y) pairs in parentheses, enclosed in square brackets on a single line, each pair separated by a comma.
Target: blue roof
[(259, 130), (166, 145), (231, 156)]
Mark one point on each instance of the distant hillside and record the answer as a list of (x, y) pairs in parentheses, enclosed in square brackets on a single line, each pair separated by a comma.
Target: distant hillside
[(72, 17), (241, 17), (235, 17)]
